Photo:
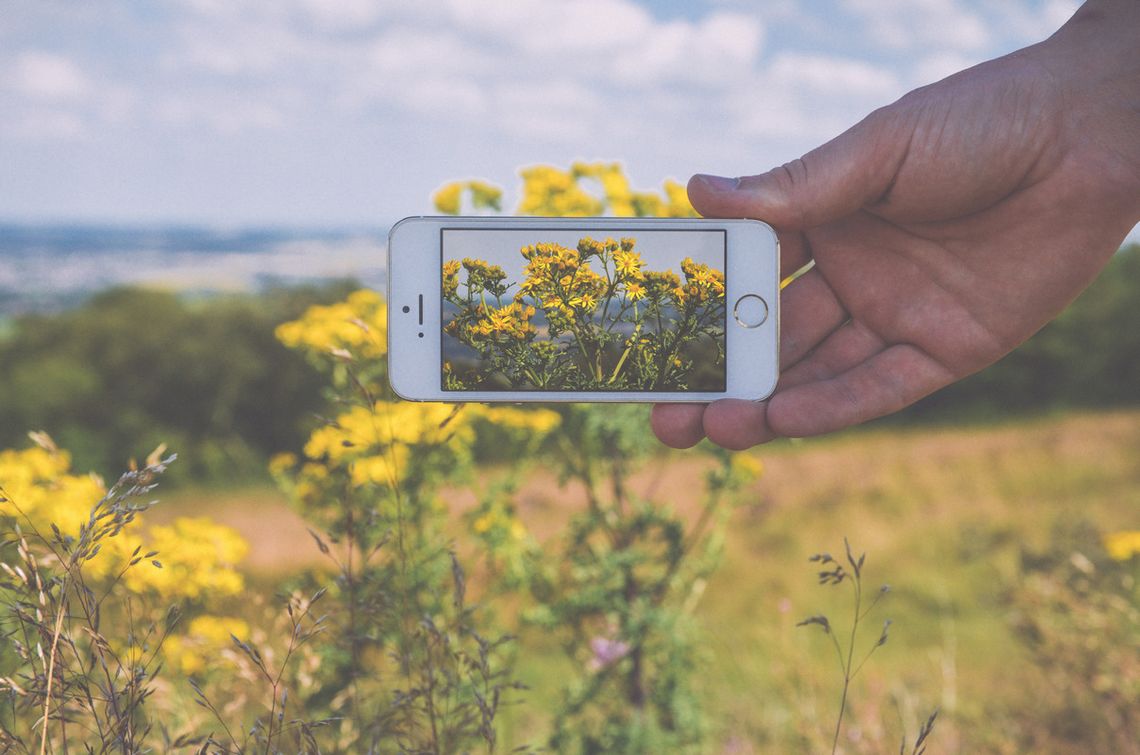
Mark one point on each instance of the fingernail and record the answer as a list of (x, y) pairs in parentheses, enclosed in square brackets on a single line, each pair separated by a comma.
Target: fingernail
[(718, 183)]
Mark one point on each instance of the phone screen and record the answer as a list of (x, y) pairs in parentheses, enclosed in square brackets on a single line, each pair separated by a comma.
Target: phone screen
[(576, 310)]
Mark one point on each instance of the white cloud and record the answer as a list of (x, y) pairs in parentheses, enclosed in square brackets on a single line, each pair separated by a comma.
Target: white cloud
[(465, 86), (807, 98), (240, 48), (224, 114), (47, 96), (833, 76), (922, 24), (712, 52), (555, 28), (1033, 22), (343, 14), (47, 76), (558, 111), (939, 65)]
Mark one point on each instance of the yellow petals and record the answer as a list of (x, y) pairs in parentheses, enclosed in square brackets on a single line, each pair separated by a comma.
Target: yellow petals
[(1122, 546), (357, 326)]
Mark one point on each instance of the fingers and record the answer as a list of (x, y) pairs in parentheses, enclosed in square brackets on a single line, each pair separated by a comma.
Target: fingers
[(737, 424), (883, 383), (809, 312), (855, 379), (734, 424), (832, 181), (678, 425), (845, 348)]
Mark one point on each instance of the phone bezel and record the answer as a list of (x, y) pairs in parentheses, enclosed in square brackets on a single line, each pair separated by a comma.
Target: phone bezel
[(752, 266)]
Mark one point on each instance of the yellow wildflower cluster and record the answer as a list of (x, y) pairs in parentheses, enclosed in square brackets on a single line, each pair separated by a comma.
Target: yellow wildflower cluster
[(550, 191), (448, 199), (554, 192), (373, 443), (510, 322), (39, 481), (204, 640), (702, 283), (676, 202), (199, 560), (498, 523), (450, 278), (1122, 546), (357, 326), (560, 280), (483, 276), (533, 423), (198, 556)]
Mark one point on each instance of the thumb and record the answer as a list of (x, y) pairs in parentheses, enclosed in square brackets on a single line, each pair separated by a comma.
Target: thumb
[(850, 172)]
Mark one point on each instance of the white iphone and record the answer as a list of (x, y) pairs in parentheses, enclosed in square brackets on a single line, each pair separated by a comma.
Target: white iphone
[(582, 309)]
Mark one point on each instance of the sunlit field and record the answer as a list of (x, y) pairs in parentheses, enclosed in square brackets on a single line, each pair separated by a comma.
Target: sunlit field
[(327, 568), (945, 515)]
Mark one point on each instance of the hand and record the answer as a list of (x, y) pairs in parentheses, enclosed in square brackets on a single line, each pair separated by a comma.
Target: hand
[(944, 230)]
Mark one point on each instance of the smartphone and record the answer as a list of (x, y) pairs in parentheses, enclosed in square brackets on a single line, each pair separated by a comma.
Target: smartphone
[(582, 309)]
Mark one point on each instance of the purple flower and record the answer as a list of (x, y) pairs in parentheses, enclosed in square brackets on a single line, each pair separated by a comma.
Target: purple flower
[(606, 652)]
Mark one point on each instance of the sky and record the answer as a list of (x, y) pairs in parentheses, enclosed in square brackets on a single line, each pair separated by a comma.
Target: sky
[(331, 113)]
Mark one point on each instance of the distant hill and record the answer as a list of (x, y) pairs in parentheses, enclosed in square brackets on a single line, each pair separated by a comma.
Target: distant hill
[(51, 267)]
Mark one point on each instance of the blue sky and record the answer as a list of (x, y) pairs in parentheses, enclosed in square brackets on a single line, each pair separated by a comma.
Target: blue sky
[(350, 112)]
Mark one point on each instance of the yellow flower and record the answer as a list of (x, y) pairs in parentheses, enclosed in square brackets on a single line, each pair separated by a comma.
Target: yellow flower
[(628, 263), (446, 199), (282, 463), (206, 637), (450, 277), (635, 291), (584, 302), (198, 560), (358, 326), (39, 481), (746, 466), (1122, 546)]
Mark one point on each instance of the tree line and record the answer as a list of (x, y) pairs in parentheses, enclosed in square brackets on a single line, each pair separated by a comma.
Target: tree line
[(132, 368)]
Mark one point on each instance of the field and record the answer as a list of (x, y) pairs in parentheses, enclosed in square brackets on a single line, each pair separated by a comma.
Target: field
[(948, 516)]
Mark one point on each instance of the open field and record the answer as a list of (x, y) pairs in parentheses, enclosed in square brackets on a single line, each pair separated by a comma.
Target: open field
[(945, 516)]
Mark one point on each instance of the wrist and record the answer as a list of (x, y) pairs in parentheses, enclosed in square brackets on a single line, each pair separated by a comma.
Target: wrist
[(1095, 62)]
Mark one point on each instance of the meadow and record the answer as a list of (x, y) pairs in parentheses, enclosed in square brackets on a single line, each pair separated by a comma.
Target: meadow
[(950, 516), (329, 569)]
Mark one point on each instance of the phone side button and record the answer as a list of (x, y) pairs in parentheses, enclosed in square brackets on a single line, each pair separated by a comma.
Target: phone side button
[(751, 311)]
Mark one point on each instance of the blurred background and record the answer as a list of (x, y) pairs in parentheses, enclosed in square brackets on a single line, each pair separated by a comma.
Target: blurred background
[(179, 178)]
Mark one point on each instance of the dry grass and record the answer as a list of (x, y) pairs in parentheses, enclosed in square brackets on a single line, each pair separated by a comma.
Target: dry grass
[(943, 514)]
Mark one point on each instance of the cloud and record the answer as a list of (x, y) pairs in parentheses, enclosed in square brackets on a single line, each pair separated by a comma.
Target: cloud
[(48, 77), (1033, 23), (922, 24), (432, 88), (225, 114), (48, 96), (833, 76)]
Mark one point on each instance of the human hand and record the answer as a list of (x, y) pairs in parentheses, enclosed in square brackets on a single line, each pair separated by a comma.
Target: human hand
[(944, 229)]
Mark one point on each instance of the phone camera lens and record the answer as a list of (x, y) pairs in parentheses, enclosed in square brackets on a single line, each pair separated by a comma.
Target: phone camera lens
[(421, 335), (407, 309)]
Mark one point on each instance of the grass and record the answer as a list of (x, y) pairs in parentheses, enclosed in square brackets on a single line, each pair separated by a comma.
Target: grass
[(942, 513)]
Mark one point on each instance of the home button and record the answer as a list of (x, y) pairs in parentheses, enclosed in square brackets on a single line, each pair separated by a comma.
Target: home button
[(751, 311)]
